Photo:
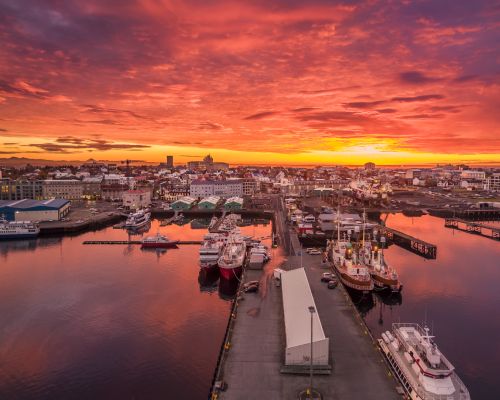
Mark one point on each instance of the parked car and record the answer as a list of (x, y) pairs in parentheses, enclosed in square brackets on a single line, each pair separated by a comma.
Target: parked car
[(315, 252), (252, 289), (326, 277), (332, 284)]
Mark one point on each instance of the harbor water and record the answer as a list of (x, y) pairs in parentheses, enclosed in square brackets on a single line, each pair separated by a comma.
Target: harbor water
[(457, 295), (109, 321), (117, 322)]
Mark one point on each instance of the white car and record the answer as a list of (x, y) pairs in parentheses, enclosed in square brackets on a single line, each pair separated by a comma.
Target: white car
[(315, 252)]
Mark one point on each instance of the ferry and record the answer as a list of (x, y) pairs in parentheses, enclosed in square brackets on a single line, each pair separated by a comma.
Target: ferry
[(424, 372), (138, 219), (158, 242), (18, 229), (383, 276), (232, 258)]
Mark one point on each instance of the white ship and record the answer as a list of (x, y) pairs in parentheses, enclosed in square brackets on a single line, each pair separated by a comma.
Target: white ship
[(18, 229), (138, 219), (424, 372), (211, 249)]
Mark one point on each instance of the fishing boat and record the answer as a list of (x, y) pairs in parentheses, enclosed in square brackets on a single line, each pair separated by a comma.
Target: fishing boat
[(383, 276), (158, 242), (424, 372), (232, 258), (351, 272)]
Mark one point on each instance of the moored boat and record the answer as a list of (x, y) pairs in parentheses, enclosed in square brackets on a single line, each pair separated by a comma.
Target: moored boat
[(352, 274), (211, 250), (138, 219), (384, 277), (424, 372), (232, 258), (18, 229)]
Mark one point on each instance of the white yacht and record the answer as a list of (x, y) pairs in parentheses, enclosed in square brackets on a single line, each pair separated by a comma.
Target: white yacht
[(424, 372), (138, 219), (18, 229)]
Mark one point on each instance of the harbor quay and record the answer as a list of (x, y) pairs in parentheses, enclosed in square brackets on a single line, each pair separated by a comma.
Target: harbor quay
[(253, 353)]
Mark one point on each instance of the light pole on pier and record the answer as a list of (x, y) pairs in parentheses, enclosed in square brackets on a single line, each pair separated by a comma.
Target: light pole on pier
[(312, 310)]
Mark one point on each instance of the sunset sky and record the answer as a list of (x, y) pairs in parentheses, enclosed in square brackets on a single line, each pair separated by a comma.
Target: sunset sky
[(276, 82)]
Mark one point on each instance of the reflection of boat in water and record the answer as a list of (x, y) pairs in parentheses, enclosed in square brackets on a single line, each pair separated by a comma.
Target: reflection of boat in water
[(390, 298), (207, 278), (228, 288), (424, 372), (158, 242), (200, 223), (364, 302)]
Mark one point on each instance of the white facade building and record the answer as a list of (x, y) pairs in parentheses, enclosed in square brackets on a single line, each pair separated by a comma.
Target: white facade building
[(62, 189), (471, 174), (224, 189)]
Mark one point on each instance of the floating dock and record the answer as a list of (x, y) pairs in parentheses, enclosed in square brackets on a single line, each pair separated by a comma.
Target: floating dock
[(413, 244), (477, 228)]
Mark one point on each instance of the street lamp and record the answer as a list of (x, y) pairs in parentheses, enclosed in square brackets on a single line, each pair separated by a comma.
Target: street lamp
[(312, 310)]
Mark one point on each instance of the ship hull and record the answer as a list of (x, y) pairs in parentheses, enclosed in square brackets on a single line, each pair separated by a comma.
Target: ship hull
[(230, 273), (355, 284), (384, 283), (168, 245), (19, 236)]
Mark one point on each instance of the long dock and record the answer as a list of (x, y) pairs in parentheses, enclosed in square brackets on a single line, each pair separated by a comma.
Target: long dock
[(413, 244), (477, 228), (198, 242)]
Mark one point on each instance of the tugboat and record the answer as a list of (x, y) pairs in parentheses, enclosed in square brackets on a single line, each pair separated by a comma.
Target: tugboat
[(232, 258), (158, 242), (424, 372), (384, 277)]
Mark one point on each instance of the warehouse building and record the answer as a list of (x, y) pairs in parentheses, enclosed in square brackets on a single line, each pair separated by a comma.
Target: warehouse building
[(297, 300), (184, 203), (34, 210), (209, 203), (234, 203)]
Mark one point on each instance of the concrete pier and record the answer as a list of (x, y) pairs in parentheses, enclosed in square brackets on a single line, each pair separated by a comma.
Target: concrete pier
[(252, 362)]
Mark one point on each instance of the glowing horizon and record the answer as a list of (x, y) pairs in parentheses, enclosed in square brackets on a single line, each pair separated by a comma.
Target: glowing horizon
[(293, 83)]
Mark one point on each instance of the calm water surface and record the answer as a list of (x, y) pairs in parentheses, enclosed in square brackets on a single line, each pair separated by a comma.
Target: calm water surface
[(107, 321), (458, 294)]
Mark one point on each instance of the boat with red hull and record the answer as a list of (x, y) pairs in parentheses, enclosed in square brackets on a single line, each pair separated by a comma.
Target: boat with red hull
[(233, 257)]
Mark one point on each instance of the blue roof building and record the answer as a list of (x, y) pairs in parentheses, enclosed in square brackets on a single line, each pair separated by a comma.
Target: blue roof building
[(34, 210)]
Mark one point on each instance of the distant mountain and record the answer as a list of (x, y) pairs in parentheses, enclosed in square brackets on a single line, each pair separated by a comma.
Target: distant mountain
[(23, 161)]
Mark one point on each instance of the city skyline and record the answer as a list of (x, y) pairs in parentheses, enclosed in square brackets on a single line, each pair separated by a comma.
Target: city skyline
[(292, 83)]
